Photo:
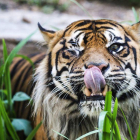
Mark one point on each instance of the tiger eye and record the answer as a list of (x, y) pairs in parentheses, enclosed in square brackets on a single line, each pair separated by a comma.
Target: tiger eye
[(114, 47)]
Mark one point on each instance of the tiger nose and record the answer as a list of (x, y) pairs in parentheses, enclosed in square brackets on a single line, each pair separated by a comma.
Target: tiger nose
[(103, 67)]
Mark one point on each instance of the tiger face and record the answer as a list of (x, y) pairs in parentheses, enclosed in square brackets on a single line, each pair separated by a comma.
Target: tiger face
[(84, 61)]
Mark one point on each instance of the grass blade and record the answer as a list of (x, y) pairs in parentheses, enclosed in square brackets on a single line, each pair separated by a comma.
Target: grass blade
[(135, 14), (61, 134), (117, 131), (7, 122), (1, 128), (32, 134), (7, 79), (1, 77), (105, 115), (114, 115), (127, 124), (87, 134), (108, 100), (79, 5), (138, 136), (5, 54)]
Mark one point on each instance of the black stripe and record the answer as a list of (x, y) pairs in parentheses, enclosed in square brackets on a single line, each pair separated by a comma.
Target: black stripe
[(69, 105), (13, 71), (76, 72), (121, 61), (79, 34), (66, 56), (103, 38), (73, 112), (49, 65), (106, 23), (117, 75), (135, 57), (44, 30), (28, 71), (126, 96), (64, 97), (83, 23), (75, 77), (104, 28), (66, 30), (128, 66)]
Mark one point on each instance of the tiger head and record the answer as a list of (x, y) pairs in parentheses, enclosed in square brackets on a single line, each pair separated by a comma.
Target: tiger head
[(84, 61)]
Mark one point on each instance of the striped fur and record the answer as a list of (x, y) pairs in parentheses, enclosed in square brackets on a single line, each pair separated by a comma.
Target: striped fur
[(21, 80), (59, 77)]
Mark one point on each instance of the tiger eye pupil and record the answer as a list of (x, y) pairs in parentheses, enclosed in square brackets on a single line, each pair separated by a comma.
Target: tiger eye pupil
[(114, 47)]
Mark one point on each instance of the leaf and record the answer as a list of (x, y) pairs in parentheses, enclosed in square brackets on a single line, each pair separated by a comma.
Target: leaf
[(101, 125), (5, 102), (22, 124), (21, 96), (61, 135), (7, 122), (87, 134), (32, 134)]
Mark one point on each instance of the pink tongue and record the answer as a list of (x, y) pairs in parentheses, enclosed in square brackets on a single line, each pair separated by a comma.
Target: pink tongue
[(94, 79)]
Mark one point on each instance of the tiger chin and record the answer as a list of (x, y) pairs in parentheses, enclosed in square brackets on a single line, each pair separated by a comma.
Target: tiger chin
[(83, 62)]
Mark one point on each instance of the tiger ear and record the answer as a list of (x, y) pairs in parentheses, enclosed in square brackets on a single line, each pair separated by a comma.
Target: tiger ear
[(48, 35), (136, 28), (133, 31)]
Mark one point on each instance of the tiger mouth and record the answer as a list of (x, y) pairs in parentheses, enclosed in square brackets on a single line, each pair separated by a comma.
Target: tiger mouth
[(87, 94)]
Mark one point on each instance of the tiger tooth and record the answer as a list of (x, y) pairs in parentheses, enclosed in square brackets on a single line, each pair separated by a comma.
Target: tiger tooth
[(105, 90), (87, 92)]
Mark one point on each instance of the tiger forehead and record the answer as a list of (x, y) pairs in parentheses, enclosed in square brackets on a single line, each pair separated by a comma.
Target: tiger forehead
[(91, 25), (103, 31)]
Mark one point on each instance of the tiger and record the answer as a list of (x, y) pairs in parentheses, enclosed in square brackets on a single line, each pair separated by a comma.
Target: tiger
[(83, 62)]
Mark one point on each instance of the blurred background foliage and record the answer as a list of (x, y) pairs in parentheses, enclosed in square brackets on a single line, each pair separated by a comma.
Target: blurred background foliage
[(49, 6)]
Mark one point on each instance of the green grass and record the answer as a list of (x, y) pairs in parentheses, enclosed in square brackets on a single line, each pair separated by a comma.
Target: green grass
[(8, 123)]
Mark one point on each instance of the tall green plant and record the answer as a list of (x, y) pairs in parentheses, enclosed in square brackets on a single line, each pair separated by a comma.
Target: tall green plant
[(6, 76), (6, 100)]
